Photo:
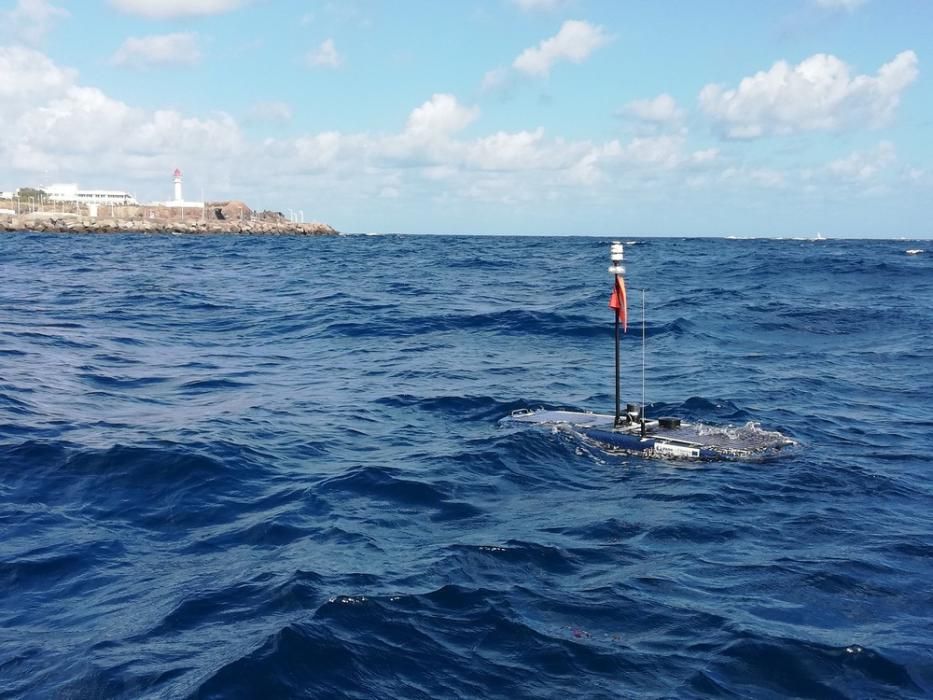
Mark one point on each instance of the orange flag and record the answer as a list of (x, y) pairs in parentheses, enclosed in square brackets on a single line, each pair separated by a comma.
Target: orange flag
[(618, 302)]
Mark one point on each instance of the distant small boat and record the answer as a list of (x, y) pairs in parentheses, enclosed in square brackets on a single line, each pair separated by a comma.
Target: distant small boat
[(914, 251)]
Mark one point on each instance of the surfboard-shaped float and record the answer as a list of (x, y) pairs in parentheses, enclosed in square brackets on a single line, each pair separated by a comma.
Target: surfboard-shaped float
[(632, 432), (664, 438)]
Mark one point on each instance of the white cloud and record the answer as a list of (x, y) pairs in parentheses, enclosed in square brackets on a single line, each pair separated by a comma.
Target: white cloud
[(122, 145), (442, 114), (496, 79), (29, 77), (432, 157), (768, 178), (31, 20), (324, 56), (846, 5), (171, 9), (53, 124), (320, 151), (662, 109), (271, 111), (428, 158), (540, 5), (666, 151), (862, 166), (657, 155), (575, 42), (179, 49), (817, 94), (707, 155), (517, 151)]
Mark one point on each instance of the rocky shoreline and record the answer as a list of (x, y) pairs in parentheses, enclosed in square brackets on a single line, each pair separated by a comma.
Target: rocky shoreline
[(83, 225)]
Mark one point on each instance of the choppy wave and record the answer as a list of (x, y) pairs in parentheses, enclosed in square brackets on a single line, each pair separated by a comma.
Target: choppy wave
[(248, 467)]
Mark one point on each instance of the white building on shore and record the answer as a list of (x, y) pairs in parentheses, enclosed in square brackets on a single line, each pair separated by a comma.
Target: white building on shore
[(73, 193), (178, 201)]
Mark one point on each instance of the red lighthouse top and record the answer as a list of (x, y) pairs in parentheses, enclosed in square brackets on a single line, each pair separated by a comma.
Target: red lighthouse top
[(177, 172)]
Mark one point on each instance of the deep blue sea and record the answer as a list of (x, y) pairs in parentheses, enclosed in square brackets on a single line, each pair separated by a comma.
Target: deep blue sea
[(237, 467)]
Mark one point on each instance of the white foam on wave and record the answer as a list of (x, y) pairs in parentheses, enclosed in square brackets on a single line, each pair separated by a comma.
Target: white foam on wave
[(750, 436)]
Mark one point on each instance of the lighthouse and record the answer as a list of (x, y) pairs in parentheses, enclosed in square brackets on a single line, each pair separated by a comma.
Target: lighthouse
[(178, 200)]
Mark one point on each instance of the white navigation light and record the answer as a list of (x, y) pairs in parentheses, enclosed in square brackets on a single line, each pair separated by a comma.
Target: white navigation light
[(616, 255)]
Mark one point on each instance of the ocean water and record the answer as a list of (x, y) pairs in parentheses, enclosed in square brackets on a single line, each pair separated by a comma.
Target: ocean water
[(274, 467)]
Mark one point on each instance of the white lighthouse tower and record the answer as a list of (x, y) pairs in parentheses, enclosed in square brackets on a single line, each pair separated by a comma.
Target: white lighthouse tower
[(178, 200), (178, 197)]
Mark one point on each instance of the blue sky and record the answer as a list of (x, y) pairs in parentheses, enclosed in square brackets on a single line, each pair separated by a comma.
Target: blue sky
[(714, 117)]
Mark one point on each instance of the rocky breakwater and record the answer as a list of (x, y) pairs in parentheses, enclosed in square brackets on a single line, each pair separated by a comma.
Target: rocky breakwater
[(53, 224)]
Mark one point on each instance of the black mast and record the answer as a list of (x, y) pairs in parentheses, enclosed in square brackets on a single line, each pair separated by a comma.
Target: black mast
[(616, 256), (618, 420)]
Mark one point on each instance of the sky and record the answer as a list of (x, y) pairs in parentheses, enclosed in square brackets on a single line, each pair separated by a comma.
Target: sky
[(602, 117)]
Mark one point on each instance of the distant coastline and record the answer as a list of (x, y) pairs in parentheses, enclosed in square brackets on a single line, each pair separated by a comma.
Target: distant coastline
[(53, 223), (67, 208), (70, 210)]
